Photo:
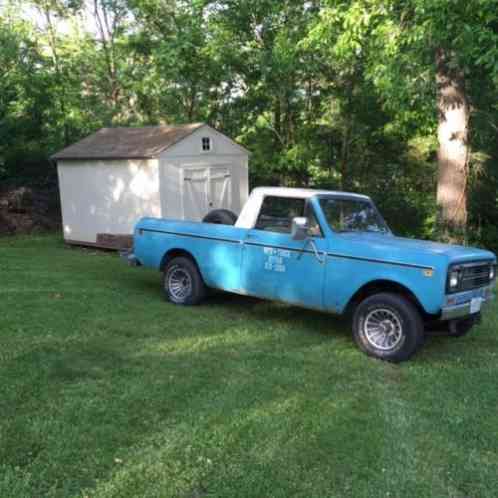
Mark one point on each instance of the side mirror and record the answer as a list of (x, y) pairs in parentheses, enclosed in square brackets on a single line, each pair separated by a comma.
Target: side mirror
[(299, 228)]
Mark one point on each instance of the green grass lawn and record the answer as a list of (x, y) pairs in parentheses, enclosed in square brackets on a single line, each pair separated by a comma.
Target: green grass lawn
[(107, 390)]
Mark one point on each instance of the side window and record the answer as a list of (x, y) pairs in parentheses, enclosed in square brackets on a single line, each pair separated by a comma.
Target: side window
[(277, 212)]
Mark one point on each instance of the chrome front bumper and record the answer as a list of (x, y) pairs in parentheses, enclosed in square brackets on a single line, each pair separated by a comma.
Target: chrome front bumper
[(462, 306)]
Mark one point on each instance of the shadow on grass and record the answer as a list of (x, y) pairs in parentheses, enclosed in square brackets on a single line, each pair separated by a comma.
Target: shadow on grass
[(144, 289), (304, 325)]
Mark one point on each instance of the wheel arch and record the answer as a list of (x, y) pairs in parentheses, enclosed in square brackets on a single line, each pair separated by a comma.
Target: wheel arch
[(176, 253), (385, 285)]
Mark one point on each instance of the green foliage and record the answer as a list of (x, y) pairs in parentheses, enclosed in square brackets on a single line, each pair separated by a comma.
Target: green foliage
[(333, 93)]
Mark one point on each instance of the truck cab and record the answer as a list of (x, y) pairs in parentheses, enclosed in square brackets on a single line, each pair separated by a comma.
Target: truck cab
[(330, 251)]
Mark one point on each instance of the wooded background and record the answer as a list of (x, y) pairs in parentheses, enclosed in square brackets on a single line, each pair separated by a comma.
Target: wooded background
[(393, 98)]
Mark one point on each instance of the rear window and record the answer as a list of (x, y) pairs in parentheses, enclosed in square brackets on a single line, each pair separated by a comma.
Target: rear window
[(277, 212)]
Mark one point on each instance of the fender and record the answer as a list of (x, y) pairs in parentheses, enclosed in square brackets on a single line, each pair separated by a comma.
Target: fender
[(427, 287)]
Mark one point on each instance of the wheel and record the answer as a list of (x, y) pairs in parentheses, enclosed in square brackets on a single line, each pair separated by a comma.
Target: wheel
[(220, 217), (459, 328), (182, 282), (388, 327)]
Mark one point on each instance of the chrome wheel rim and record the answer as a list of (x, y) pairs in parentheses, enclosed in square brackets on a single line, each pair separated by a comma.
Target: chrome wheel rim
[(179, 284), (383, 329)]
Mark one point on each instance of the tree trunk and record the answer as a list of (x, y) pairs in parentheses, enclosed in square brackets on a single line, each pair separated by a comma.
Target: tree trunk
[(345, 156), (277, 118), (454, 151), (347, 132), (52, 39)]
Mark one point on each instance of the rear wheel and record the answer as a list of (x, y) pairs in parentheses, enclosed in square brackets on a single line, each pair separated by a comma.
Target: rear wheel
[(220, 217), (182, 282), (388, 327)]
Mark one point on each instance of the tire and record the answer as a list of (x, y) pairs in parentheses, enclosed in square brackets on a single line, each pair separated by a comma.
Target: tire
[(220, 217), (459, 328), (182, 282), (391, 313)]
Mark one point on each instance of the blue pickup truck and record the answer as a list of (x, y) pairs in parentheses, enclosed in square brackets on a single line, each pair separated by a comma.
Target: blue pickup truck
[(331, 251)]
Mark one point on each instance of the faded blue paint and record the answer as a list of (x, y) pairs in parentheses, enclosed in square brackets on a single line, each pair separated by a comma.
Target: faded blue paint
[(277, 267), (217, 249), (274, 266)]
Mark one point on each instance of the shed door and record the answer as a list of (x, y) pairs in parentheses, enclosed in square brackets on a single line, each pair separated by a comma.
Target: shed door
[(220, 187), (205, 188), (195, 193)]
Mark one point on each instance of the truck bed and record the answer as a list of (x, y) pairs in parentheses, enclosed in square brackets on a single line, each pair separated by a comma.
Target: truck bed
[(216, 248)]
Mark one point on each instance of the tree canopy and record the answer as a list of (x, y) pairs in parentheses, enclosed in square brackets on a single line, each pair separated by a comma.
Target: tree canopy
[(396, 99)]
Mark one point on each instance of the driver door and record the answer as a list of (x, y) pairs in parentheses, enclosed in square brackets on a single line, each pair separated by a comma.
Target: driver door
[(276, 266)]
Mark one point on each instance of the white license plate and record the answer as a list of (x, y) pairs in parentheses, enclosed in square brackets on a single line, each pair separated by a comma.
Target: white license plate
[(475, 305)]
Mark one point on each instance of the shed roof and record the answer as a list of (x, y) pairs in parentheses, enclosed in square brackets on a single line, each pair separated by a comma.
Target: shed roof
[(127, 143)]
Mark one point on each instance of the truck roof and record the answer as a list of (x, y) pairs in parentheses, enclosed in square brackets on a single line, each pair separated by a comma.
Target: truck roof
[(250, 211), (301, 192)]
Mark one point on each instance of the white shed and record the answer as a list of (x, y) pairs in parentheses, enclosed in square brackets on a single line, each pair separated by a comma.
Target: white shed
[(114, 177)]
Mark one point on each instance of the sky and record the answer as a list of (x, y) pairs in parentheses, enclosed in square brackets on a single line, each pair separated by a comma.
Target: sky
[(85, 20)]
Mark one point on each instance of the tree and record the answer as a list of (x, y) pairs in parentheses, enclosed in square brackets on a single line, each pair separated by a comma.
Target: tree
[(454, 147), (111, 21), (393, 98), (418, 55)]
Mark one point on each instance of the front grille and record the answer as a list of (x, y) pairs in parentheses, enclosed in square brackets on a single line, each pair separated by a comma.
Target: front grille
[(472, 275), (475, 276)]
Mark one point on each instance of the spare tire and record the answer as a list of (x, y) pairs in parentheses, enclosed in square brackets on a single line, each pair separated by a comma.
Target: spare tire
[(220, 217)]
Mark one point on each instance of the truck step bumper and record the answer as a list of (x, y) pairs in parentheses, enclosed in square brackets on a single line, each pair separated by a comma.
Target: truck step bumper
[(465, 309)]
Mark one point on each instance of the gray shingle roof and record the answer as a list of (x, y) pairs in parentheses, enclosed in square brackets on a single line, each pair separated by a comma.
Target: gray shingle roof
[(127, 143)]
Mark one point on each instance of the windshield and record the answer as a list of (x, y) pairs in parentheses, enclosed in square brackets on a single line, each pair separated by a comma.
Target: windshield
[(352, 215)]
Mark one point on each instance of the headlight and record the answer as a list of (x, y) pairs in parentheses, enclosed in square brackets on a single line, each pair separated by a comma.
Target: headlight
[(492, 272), (454, 279)]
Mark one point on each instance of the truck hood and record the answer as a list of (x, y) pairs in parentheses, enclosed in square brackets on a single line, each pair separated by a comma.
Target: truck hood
[(402, 249)]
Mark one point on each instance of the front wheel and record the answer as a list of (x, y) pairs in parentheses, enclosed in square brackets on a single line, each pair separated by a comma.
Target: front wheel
[(388, 327), (182, 282)]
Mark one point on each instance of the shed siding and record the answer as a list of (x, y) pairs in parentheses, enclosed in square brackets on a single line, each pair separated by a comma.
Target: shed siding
[(107, 196), (170, 185), (189, 154)]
